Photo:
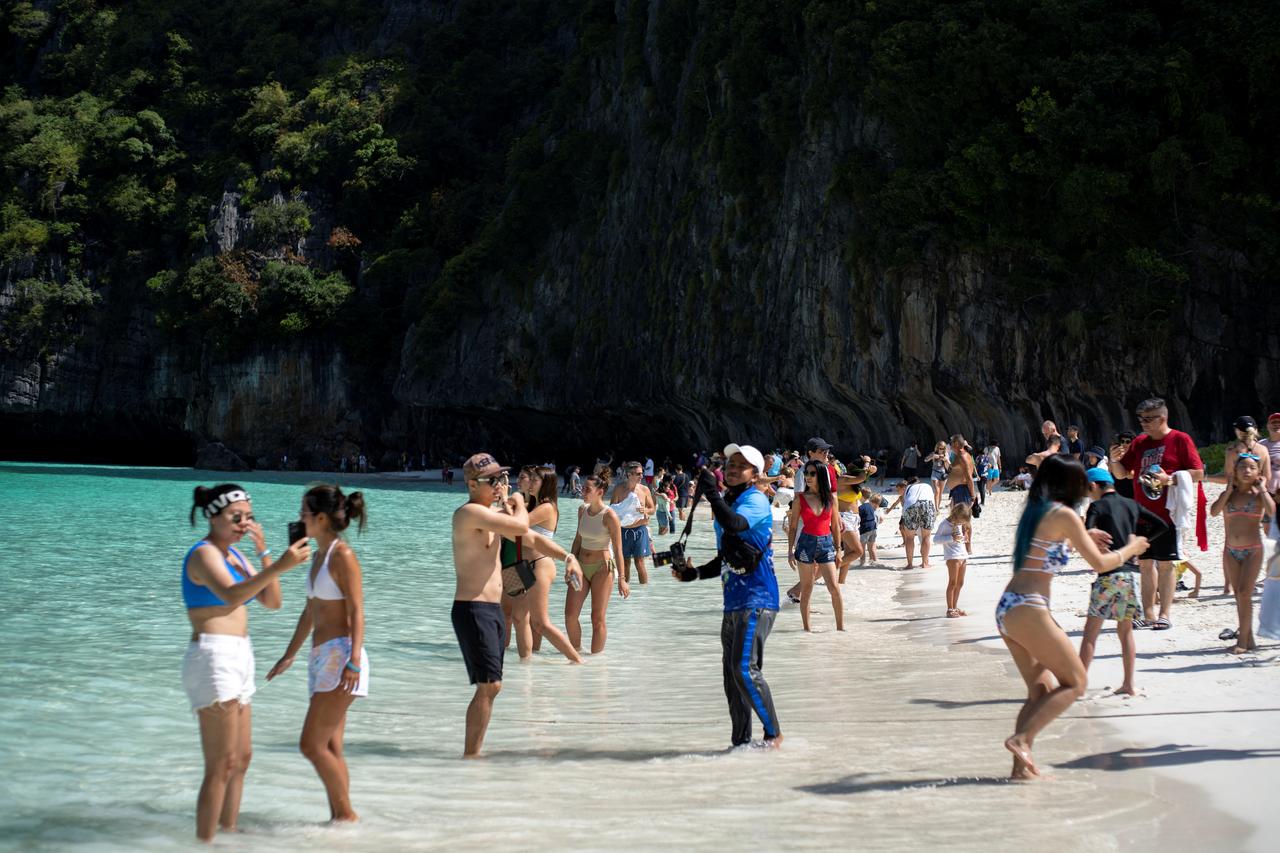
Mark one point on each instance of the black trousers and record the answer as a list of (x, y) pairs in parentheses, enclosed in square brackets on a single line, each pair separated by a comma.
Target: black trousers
[(742, 636)]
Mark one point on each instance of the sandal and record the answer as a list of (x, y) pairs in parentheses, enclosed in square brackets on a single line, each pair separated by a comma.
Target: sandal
[(1161, 624), (1228, 634), (1140, 624)]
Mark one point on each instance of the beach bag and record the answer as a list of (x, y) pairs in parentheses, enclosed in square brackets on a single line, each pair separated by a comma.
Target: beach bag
[(518, 577)]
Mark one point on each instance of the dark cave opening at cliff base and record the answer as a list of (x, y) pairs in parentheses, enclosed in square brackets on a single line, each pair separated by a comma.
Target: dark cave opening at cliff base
[(95, 441)]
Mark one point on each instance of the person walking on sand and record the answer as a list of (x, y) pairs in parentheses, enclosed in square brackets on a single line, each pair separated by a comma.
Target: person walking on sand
[(918, 513), (811, 515), (634, 505), (940, 464), (992, 452), (217, 670), (530, 612), (952, 535), (1151, 461), (868, 521), (598, 546), (1054, 675), (910, 461), (479, 526), (1115, 595), (744, 562), (1247, 443), (338, 668), (1244, 502)]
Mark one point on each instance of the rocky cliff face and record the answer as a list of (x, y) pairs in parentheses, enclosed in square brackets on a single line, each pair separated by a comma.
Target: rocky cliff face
[(669, 313)]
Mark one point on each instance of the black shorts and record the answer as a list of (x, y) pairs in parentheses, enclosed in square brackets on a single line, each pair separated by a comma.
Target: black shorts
[(1164, 546), (479, 627)]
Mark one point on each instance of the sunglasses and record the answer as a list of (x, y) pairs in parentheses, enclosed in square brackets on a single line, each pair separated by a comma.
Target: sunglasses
[(499, 480), (1146, 419), (237, 517)]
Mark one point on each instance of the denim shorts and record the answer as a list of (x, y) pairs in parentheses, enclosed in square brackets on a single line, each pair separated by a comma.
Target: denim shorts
[(635, 541), (666, 520), (815, 549)]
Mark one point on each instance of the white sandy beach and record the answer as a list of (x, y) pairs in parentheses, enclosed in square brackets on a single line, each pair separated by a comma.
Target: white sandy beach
[(1202, 716)]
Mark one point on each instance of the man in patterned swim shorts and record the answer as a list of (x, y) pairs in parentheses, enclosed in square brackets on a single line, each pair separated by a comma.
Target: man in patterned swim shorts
[(1115, 595)]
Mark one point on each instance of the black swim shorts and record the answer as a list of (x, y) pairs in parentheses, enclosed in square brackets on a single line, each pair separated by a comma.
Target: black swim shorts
[(478, 626), (961, 494)]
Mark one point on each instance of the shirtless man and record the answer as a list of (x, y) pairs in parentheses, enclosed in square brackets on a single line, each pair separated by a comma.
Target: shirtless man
[(478, 529)]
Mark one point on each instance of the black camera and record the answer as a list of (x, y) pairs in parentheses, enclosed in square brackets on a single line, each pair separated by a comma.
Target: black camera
[(674, 557)]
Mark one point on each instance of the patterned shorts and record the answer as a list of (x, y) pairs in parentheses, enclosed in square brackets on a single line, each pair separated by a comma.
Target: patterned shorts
[(1115, 596)]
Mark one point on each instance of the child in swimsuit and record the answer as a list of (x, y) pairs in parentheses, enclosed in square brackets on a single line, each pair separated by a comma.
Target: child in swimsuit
[(951, 534), (1244, 502)]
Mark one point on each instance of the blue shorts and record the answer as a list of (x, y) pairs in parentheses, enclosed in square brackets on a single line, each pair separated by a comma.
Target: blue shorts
[(812, 549), (635, 542)]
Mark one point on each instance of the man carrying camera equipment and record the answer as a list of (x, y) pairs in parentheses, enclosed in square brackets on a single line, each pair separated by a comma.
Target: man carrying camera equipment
[(744, 563)]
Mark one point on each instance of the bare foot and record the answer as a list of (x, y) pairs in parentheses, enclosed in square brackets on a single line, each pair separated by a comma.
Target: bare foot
[(1021, 751), (1124, 690), (952, 613), (926, 565), (773, 742), (1194, 594), (349, 817)]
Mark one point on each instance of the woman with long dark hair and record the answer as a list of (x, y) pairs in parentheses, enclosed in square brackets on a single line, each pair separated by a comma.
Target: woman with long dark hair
[(1048, 663), (338, 667), (811, 514), (530, 614), (217, 671)]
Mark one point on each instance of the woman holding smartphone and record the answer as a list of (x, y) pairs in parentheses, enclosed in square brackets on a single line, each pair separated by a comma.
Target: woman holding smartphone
[(338, 668), (530, 611), (217, 671)]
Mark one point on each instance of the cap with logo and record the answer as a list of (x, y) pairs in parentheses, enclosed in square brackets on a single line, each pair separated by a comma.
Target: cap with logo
[(1245, 422), (482, 465)]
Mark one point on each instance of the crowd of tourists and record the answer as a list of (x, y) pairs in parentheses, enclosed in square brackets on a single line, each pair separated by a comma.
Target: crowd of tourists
[(1145, 499)]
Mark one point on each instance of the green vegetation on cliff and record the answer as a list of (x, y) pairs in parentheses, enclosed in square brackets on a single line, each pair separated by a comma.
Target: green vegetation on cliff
[(1113, 150)]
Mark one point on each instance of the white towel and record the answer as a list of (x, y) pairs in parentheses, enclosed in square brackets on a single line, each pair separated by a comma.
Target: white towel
[(1181, 500)]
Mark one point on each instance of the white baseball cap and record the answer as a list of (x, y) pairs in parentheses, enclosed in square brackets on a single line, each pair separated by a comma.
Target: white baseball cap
[(748, 452)]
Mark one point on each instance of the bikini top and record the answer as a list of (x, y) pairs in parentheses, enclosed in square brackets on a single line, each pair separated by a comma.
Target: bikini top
[(813, 522), (592, 531), (323, 587), (1053, 555), (539, 529), (197, 594), (1053, 558), (1252, 509)]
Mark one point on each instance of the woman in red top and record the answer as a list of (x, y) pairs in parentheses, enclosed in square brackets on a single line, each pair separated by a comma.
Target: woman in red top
[(811, 516)]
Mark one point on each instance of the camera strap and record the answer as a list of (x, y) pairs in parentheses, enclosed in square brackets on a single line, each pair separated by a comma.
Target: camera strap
[(688, 524)]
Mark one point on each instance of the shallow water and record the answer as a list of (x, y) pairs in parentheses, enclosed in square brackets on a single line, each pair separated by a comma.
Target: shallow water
[(891, 742)]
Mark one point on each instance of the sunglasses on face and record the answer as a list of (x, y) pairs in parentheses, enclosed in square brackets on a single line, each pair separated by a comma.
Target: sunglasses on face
[(237, 517), (1146, 419), (500, 480)]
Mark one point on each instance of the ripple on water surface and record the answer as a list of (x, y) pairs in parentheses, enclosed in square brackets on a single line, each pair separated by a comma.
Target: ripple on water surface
[(890, 743)]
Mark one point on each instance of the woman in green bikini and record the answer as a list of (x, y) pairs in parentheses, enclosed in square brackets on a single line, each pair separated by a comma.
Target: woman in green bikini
[(598, 546)]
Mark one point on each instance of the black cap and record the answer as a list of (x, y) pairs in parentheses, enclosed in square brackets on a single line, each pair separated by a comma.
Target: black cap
[(1098, 452), (816, 444), (1245, 422)]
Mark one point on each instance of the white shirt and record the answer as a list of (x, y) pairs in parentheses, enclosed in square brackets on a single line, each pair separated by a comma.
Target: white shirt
[(915, 493), (648, 467)]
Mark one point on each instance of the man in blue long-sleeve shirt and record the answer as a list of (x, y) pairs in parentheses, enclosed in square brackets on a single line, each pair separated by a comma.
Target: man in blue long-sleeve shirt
[(744, 564)]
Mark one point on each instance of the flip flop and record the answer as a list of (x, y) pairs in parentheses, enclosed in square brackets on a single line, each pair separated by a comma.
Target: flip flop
[(1161, 625), (1227, 634), (1140, 624)]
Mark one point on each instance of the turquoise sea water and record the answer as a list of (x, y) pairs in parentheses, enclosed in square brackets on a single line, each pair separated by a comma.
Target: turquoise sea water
[(98, 747)]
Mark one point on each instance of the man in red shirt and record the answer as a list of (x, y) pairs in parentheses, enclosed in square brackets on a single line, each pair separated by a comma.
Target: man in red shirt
[(1151, 461)]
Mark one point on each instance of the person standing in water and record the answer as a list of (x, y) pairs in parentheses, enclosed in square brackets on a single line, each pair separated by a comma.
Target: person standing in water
[(744, 563), (633, 503), (597, 545), (338, 669), (530, 613), (811, 515), (217, 670), (478, 528), (1047, 661)]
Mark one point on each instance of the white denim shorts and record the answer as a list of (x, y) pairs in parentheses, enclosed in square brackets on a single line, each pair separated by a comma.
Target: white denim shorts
[(218, 668)]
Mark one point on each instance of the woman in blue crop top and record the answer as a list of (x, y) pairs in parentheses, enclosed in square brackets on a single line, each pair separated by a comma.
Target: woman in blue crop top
[(1045, 658), (217, 671)]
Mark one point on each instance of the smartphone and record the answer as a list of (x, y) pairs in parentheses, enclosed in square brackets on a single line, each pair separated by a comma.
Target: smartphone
[(297, 531)]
